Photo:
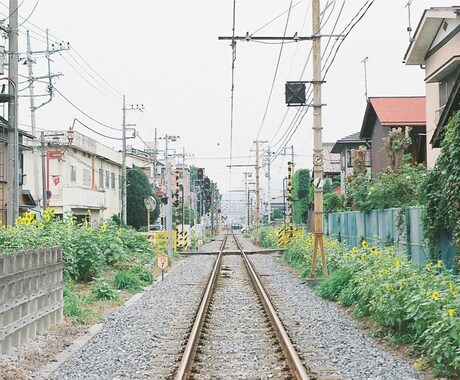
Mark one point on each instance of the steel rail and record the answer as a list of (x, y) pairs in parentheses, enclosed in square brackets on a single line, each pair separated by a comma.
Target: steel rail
[(295, 364), (185, 367)]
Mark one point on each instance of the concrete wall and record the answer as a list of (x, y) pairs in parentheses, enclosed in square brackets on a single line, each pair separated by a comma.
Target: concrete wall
[(31, 295)]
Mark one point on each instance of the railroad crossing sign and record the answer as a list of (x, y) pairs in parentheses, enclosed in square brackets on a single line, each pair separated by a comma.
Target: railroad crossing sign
[(162, 261)]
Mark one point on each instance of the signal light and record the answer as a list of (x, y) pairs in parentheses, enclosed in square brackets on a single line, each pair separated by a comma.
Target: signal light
[(208, 199), (200, 173), (206, 183)]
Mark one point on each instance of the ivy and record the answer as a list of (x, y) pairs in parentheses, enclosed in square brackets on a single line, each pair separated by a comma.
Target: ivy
[(441, 190)]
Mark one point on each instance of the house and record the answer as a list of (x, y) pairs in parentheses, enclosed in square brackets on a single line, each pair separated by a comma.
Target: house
[(25, 199), (436, 49), (344, 148), (331, 166), (385, 113)]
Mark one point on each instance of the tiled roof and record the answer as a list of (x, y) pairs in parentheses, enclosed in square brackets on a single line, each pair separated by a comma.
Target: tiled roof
[(400, 110)]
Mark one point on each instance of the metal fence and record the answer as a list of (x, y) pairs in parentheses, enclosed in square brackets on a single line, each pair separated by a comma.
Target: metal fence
[(398, 227), (31, 294)]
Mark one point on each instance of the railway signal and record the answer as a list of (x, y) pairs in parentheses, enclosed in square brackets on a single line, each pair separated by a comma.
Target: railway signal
[(206, 183), (200, 173)]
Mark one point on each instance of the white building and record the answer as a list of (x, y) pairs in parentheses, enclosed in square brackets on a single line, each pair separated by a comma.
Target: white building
[(83, 176)]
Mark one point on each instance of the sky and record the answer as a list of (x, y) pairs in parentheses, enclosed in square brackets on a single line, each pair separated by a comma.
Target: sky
[(167, 57)]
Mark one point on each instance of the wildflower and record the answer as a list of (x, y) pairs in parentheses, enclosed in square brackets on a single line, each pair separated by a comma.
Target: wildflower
[(403, 282), (397, 262), (103, 228), (354, 250), (435, 295), (47, 217), (88, 212), (439, 264), (452, 289), (450, 312), (364, 244), (373, 250), (428, 266), (387, 287)]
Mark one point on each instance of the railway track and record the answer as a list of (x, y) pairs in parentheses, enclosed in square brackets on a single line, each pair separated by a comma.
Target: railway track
[(237, 333)]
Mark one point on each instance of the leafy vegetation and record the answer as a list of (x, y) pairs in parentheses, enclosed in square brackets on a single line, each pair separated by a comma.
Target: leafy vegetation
[(408, 304), (301, 190), (139, 188), (441, 191)]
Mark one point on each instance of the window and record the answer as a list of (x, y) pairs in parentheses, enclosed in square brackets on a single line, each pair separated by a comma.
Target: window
[(107, 179), (113, 180), (73, 174), (101, 178), (445, 88), (86, 177)]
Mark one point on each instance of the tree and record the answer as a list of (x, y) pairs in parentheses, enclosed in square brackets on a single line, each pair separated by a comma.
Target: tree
[(139, 188), (301, 190), (395, 144)]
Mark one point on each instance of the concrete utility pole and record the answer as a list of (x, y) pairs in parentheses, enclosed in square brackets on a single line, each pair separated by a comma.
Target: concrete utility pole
[(123, 213), (269, 208), (13, 134), (318, 143), (33, 108), (257, 216)]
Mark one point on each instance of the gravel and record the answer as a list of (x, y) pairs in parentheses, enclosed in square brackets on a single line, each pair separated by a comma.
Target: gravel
[(135, 336)]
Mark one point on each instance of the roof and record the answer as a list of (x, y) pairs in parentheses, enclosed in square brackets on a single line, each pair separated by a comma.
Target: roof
[(350, 140), (426, 31), (400, 111), (393, 112), (331, 160)]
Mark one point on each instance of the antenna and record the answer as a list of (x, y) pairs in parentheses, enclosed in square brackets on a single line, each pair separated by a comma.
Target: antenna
[(364, 61), (409, 28)]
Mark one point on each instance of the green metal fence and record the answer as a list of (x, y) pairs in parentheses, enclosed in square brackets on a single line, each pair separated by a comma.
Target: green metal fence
[(399, 227)]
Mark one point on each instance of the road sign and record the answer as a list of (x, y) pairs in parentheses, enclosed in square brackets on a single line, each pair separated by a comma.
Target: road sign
[(48, 194), (54, 154), (162, 261)]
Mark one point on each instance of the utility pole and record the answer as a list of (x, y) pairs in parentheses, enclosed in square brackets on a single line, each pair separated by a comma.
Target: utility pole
[(123, 213), (13, 135), (269, 178), (246, 188), (257, 211), (318, 144), (30, 61)]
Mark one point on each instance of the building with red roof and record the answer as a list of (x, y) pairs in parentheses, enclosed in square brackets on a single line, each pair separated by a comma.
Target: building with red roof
[(385, 113)]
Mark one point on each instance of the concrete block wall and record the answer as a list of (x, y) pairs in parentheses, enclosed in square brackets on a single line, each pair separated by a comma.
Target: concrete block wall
[(31, 295)]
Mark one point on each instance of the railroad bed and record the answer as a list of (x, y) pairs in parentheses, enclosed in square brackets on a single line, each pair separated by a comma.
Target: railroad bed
[(145, 340)]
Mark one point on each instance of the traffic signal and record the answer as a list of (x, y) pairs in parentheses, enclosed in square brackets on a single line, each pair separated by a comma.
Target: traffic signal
[(206, 183), (208, 199), (200, 173)]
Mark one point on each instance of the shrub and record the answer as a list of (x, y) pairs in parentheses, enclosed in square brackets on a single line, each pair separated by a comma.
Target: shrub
[(125, 280), (102, 290), (144, 274), (332, 286)]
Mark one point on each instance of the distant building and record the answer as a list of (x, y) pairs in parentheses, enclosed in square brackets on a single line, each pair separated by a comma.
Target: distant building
[(435, 48)]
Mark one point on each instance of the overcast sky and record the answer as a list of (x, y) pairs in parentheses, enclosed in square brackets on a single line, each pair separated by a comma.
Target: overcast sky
[(166, 55)]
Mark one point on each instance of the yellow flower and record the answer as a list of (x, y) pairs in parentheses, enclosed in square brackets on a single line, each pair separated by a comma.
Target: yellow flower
[(88, 212), (103, 228), (47, 217), (403, 282), (450, 312), (435, 295), (428, 266), (387, 287), (397, 262), (452, 289), (363, 258), (364, 244), (439, 264)]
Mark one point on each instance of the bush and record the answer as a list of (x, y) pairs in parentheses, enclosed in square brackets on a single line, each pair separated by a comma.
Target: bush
[(125, 280), (332, 286), (144, 275), (102, 290), (74, 305)]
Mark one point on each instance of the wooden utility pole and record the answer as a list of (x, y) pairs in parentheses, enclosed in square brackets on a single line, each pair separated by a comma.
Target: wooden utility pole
[(318, 143)]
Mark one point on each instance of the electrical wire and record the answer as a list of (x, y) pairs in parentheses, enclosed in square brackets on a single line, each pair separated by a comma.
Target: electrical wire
[(98, 133), (84, 113), (31, 13), (276, 72)]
